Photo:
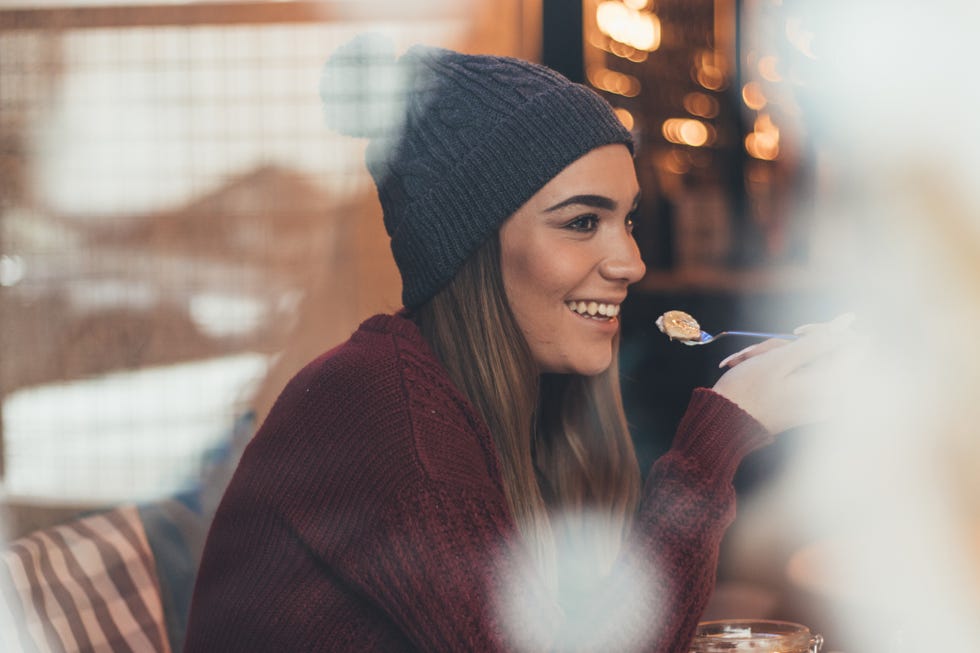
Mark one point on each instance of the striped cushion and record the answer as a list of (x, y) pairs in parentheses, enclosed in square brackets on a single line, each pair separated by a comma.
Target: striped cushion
[(87, 585)]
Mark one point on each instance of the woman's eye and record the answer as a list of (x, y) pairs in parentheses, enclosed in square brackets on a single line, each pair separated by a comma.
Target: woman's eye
[(584, 223), (630, 221)]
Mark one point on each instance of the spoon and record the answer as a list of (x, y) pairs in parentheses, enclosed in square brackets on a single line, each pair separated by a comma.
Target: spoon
[(680, 326), (705, 337)]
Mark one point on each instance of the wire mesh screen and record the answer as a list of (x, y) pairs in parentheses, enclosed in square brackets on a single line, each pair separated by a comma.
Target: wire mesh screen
[(169, 191)]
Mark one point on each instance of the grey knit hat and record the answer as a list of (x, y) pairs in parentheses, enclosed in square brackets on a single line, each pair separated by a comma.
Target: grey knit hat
[(458, 143)]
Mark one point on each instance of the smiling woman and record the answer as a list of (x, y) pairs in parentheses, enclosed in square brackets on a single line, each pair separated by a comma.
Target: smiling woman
[(459, 476), (567, 259)]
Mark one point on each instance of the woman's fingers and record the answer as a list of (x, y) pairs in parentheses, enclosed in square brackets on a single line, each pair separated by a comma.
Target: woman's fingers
[(750, 351), (837, 325), (827, 339), (806, 349), (789, 383), (815, 341)]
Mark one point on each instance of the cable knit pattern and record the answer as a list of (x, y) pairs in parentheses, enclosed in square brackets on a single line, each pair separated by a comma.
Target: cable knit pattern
[(368, 514), (479, 136)]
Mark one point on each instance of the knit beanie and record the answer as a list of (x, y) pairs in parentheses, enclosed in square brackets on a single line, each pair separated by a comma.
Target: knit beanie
[(458, 143)]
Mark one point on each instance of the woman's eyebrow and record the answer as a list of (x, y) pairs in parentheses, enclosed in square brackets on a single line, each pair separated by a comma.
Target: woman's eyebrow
[(595, 201)]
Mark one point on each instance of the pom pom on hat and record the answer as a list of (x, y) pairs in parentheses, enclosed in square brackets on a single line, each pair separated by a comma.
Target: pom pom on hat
[(363, 88), (459, 142)]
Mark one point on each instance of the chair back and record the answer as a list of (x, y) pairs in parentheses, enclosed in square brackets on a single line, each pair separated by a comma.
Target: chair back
[(89, 584)]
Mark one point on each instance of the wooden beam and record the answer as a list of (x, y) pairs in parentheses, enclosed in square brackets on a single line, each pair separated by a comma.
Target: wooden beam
[(221, 13)]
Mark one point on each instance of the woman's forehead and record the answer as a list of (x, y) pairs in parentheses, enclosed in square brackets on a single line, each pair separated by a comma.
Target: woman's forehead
[(603, 172)]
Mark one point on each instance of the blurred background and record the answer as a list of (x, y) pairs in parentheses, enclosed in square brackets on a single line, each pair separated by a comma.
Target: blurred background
[(180, 233)]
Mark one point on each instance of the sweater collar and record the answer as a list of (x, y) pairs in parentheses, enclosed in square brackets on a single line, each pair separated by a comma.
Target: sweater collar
[(397, 324)]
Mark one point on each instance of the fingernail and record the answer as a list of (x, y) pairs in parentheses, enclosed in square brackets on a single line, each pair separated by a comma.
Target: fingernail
[(735, 355), (803, 329)]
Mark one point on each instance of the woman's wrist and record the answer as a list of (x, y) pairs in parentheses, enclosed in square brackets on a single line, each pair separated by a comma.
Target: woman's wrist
[(716, 433)]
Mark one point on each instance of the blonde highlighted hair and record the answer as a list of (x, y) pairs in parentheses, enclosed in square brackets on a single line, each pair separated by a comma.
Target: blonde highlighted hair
[(564, 448)]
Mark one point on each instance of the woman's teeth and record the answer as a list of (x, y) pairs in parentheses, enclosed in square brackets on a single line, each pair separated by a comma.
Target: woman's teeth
[(594, 309)]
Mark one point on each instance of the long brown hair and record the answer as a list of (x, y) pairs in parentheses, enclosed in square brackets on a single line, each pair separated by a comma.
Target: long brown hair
[(562, 440)]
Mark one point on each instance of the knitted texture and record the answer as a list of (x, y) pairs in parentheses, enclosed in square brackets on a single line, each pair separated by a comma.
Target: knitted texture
[(368, 514), (478, 137)]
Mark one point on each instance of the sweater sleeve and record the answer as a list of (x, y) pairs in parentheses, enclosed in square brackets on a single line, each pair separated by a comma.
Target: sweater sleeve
[(669, 562)]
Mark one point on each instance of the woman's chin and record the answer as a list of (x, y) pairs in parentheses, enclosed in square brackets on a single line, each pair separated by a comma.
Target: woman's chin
[(582, 367), (594, 371)]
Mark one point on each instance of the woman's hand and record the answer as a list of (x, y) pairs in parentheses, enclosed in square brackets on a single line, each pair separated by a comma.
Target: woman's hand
[(782, 383)]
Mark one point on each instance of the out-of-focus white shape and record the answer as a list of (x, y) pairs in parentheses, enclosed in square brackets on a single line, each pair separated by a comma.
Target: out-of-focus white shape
[(102, 132), (628, 25), (537, 618), (892, 86), (101, 294), (884, 500), (223, 315), (800, 37), (123, 436), (364, 88), (11, 269), (138, 120), (26, 231)]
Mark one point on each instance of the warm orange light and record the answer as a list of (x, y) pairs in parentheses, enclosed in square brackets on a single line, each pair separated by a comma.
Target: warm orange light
[(767, 68), (626, 51), (613, 82), (597, 40), (636, 4), (710, 70), (761, 147), (693, 132), (630, 26), (612, 18), (711, 79), (673, 162), (701, 104), (753, 96), (764, 123), (763, 142), (687, 131), (625, 117)]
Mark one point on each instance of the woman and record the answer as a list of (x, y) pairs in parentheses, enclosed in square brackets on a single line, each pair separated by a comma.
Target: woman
[(459, 476)]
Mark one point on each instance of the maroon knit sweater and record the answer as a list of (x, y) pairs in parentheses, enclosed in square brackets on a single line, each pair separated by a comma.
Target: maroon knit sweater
[(368, 514)]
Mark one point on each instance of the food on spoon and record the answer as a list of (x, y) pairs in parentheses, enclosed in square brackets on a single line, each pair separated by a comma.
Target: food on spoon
[(678, 325)]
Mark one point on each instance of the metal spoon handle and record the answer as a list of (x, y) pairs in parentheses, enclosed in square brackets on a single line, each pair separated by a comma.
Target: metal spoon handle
[(757, 334)]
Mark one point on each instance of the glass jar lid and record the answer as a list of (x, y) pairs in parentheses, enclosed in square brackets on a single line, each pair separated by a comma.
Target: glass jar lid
[(759, 635)]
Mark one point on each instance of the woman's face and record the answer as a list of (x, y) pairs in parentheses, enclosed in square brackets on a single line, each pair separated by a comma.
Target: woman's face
[(567, 257)]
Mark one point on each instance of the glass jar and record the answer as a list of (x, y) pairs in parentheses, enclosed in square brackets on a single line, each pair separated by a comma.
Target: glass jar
[(760, 635)]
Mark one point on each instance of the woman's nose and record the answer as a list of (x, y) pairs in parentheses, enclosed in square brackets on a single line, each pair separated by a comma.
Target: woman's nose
[(623, 262)]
